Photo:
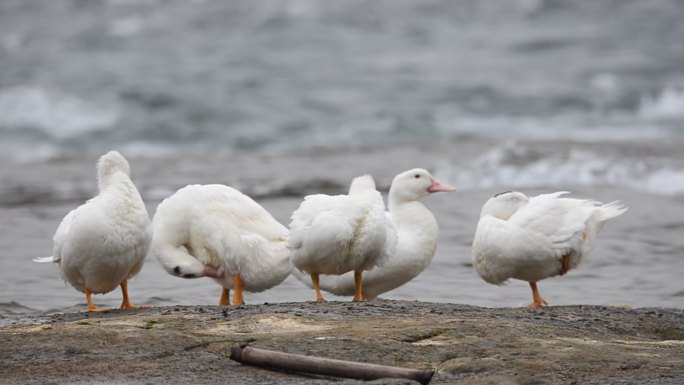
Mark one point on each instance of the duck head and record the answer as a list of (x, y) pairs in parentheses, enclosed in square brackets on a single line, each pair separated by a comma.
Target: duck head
[(110, 164), (361, 184), (415, 184), (504, 204)]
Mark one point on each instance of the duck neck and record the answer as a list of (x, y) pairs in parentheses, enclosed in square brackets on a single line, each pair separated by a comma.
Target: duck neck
[(123, 195), (417, 234), (412, 215), (121, 184)]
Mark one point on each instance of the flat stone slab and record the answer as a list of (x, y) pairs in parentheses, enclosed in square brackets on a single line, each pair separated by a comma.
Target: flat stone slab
[(463, 344)]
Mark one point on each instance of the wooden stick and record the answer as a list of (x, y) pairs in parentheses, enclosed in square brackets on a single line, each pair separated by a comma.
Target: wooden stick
[(324, 366)]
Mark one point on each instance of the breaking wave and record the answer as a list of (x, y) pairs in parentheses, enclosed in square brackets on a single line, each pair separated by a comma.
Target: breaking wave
[(55, 114), (669, 104), (514, 165)]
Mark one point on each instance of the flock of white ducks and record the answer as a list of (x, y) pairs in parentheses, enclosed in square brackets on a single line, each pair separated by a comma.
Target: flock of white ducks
[(344, 244)]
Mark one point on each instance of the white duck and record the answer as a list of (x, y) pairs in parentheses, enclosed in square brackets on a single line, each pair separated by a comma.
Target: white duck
[(535, 238), (103, 243), (342, 233), (416, 233), (216, 231)]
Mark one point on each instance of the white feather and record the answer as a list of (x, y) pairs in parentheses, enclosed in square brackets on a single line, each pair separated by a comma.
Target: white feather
[(220, 226), (44, 259)]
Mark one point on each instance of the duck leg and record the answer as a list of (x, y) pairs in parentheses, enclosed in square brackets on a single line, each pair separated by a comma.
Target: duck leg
[(225, 297), (358, 287), (91, 305), (126, 304), (538, 301), (237, 287), (317, 287)]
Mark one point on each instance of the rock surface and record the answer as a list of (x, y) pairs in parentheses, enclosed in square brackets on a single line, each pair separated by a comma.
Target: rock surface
[(463, 344)]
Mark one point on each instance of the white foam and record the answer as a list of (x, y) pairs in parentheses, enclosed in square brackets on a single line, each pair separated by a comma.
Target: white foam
[(23, 153), (605, 82), (513, 167), (666, 181), (57, 114), (452, 122), (669, 104)]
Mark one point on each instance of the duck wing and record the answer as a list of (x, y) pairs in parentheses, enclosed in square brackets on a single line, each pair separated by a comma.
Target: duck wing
[(59, 239), (322, 227), (558, 222)]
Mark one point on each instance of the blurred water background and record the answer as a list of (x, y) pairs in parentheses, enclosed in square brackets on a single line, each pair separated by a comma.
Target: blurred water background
[(283, 98)]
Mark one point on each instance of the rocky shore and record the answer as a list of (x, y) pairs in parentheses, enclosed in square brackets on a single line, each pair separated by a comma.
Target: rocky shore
[(463, 344)]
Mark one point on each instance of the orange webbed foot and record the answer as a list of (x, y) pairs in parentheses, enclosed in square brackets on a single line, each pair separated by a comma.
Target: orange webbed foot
[(538, 304), (91, 306), (126, 303), (537, 300), (98, 309)]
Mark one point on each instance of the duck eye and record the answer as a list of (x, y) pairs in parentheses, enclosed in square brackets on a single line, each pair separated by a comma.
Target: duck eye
[(417, 176)]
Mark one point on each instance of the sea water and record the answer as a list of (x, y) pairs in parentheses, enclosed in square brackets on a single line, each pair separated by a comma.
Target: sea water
[(286, 98)]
